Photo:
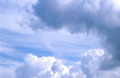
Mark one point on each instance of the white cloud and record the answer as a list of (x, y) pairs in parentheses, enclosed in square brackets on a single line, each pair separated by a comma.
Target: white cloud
[(46, 67), (49, 67)]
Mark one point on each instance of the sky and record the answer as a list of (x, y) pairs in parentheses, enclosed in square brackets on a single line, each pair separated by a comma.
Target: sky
[(59, 38)]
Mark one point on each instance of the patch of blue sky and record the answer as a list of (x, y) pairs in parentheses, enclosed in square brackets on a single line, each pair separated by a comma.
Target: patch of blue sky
[(75, 47), (62, 46), (5, 56), (16, 39), (34, 51), (20, 47), (72, 58), (5, 32)]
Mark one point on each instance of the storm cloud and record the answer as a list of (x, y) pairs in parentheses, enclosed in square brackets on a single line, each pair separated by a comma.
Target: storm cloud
[(98, 17)]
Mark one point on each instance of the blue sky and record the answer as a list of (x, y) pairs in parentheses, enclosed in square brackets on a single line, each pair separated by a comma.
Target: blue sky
[(59, 39)]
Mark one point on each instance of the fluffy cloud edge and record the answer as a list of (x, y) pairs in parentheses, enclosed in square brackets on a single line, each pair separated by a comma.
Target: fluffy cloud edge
[(50, 67)]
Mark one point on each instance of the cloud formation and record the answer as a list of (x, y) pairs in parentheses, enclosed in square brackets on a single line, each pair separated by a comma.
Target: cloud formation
[(49, 67), (100, 17)]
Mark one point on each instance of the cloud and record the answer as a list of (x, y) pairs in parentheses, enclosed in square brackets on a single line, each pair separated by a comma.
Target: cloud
[(21, 17), (19, 39), (49, 67), (81, 13), (46, 67), (100, 17)]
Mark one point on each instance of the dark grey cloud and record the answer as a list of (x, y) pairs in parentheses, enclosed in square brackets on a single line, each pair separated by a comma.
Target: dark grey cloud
[(99, 17)]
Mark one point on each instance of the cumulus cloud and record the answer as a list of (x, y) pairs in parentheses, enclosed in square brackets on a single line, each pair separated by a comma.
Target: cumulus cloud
[(45, 67), (100, 17), (49, 67)]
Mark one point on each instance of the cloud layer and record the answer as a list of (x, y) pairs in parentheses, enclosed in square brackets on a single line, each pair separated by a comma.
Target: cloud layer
[(49, 67)]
